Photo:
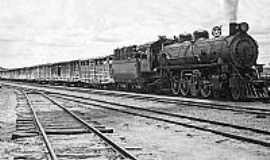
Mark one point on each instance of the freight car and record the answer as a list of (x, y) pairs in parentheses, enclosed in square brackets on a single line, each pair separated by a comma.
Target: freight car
[(96, 72), (63, 72), (88, 72)]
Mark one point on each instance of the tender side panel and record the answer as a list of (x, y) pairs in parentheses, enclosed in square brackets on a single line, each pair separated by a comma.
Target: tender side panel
[(125, 70)]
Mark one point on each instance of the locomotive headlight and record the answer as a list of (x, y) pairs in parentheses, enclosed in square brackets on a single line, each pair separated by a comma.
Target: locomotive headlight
[(244, 27)]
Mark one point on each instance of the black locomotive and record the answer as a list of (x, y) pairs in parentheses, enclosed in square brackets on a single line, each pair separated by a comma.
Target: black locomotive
[(194, 65)]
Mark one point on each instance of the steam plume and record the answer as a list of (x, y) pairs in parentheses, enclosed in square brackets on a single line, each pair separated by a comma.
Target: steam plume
[(231, 7)]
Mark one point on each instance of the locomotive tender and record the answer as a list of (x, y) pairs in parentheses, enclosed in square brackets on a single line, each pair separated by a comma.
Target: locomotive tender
[(190, 65)]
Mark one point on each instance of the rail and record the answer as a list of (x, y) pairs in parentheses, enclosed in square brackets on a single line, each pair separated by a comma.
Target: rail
[(42, 130)]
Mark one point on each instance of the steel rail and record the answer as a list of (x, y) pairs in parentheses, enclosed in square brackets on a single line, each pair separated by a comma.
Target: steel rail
[(44, 135), (235, 108), (116, 147), (167, 113), (172, 114), (233, 136), (242, 109), (196, 104), (237, 137)]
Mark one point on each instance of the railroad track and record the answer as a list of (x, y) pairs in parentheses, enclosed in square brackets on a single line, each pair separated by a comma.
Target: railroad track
[(250, 135), (242, 133), (171, 100), (234, 108), (65, 134), (27, 134)]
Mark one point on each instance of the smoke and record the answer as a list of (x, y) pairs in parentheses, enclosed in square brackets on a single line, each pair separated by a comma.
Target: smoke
[(231, 7)]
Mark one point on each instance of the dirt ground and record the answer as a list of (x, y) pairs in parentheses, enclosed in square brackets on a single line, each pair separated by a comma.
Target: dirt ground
[(163, 141), (171, 142), (7, 122)]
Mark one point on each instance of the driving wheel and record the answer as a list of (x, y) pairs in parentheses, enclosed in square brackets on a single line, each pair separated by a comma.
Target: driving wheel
[(175, 86), (206, 91), (184, 87), (236, 93)]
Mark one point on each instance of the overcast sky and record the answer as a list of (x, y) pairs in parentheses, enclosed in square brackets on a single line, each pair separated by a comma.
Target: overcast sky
[(42, 31)]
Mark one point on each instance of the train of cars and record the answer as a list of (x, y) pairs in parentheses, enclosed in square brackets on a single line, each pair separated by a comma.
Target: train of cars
[(189, 65)]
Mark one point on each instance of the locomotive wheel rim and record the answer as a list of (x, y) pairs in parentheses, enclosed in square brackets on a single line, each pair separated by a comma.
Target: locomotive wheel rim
[(235, 93), (194, 91), (206, 91), (184, 88), (216, 94), (175, 87)]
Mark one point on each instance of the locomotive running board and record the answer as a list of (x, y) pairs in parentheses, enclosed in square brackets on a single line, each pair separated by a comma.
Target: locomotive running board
[(189, 66)]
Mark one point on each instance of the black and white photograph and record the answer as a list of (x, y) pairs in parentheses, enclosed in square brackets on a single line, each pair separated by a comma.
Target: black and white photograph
[(134, 80)]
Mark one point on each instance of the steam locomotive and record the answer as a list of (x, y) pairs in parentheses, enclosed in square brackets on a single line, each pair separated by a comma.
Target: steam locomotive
[(194, 65), (188, 65)]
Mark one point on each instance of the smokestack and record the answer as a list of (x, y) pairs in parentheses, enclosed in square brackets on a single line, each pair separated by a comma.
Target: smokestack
[(233, 28), (231, 7)]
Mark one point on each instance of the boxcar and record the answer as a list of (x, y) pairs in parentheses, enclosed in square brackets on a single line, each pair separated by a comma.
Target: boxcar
[(74, 71), (96, 72), (84, 72)]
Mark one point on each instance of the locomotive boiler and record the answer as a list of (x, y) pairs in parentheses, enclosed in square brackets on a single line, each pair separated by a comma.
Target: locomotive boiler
[(238, 48), (224, 65)]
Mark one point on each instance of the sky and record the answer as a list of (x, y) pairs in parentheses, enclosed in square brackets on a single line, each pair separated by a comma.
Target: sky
[(46, 31)]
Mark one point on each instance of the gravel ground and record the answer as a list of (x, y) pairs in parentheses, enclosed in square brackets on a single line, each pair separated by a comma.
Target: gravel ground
[(166, 141), (243, 119), (22, 148), (7, 122)]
